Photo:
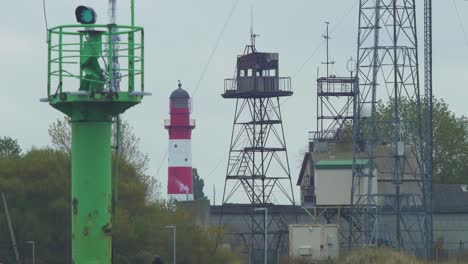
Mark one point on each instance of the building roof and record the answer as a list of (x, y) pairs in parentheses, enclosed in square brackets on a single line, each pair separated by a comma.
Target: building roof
[(179, 93), (307, 157), (447, 199), (450, 198), (229, 209), (339, 164)]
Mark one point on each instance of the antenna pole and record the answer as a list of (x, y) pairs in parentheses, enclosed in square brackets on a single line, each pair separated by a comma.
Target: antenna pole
[(116, 87), (252, 35), (112, 10), (328, 62), (327, 38), (10, 227), (132, 12)]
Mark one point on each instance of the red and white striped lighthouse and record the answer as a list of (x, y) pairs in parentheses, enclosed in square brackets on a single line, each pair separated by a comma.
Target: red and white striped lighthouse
[(180, 179)]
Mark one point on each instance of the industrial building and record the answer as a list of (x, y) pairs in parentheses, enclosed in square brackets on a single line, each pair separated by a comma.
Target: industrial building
[(450, 217), (450, 203)]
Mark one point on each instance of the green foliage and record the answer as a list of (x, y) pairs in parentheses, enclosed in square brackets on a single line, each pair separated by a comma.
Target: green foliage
[(198, 185), (450, 137), (37, 188), (129, 148), (61, 135), (9, 148), (450, 145)]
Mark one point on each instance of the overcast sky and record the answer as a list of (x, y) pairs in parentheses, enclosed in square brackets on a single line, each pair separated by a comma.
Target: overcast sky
[(180, 35)]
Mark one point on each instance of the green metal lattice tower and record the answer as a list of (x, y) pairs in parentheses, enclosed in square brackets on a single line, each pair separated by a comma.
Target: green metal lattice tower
[(82, 85)]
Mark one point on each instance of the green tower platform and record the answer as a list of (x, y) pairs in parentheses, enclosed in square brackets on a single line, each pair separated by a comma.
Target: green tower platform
[(82, 75)]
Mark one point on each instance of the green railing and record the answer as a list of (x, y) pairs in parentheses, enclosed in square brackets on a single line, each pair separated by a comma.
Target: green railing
[(66, 54)]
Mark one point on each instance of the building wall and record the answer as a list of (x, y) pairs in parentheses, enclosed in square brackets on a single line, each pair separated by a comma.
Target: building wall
[(449, 228), (307, 184), (333, 186)]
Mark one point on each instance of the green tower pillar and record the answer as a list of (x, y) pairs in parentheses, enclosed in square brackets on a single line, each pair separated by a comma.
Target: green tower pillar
[(88, 98), (91, 191)]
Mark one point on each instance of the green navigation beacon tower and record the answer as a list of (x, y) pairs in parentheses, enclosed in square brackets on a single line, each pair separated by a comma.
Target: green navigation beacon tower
[(95, 73)]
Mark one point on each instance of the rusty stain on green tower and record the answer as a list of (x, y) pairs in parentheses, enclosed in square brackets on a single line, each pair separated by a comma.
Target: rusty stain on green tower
[(81, 80)]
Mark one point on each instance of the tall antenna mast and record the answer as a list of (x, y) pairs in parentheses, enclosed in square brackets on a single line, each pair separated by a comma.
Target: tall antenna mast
[(327, 38), (252, 34), (399, 210), (116, 87), (428, 112), (112, 12)]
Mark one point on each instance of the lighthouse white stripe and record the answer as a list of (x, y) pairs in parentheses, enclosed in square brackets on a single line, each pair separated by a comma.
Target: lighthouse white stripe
[(180, 153)]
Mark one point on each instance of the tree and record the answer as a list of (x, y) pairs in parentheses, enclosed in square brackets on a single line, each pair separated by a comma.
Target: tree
[(37, 186), (450, 145), (450, 138), (9, 148), (198, 184), (129, 149), (61, 135)]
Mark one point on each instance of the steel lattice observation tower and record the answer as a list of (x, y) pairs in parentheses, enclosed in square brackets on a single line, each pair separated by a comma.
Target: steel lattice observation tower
[(393, 212), (258, 173)]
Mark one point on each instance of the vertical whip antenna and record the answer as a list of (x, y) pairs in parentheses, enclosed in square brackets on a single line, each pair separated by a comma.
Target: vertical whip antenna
[(112, 11), (327, 38), (252, 34), (252, 38)]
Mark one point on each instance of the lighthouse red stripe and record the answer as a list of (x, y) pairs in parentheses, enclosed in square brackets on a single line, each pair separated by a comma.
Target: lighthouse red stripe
[(180, 111), (180, 120), (180, 180), (180, 133)]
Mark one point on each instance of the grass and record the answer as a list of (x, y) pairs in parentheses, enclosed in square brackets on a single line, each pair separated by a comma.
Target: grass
[(384, 256)]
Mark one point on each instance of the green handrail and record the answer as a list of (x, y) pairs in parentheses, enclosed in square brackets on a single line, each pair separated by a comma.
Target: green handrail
[(64, 52), (49, 43)]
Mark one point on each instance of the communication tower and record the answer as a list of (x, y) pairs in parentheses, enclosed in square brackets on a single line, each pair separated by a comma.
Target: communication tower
[(391, 141), (95, 73), (331, 144), (335, 103), (258, 174)]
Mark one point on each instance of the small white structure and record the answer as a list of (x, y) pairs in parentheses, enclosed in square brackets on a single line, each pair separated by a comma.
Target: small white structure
[(333, 181), (314, 242)]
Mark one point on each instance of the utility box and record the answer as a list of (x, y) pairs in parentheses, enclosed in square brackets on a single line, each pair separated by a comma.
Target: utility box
[(314, 242)]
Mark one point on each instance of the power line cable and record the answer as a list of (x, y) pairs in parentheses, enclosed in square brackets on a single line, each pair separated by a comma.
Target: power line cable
[(162, 162), (213, 51), (45, 20), (202, 75), (460, 22), (336, 27), (217, 165)]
